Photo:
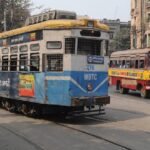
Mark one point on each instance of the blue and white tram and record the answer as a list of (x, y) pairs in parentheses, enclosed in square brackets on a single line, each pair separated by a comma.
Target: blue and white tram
[(55, 66)]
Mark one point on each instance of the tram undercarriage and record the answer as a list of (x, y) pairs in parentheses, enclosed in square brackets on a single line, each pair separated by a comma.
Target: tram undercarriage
[(35, 109)]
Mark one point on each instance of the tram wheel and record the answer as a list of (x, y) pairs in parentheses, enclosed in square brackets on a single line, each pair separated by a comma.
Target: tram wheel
[(124, 90), (144, 93), (24, 109), (8, 106)]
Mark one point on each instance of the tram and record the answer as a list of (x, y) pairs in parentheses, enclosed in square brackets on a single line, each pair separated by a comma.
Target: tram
[(129, 70), (55, 66)]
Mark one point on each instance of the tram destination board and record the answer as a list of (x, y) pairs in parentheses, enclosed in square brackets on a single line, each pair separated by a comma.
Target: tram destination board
[(95, 59)]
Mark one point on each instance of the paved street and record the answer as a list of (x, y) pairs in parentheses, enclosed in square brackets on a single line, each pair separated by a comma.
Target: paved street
[(126, 125)]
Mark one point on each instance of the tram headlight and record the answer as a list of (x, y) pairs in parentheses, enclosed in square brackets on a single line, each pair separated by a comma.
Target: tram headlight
[(90, 87)]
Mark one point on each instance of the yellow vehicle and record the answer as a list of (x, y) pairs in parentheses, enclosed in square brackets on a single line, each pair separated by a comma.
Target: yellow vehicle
[(130, 70)]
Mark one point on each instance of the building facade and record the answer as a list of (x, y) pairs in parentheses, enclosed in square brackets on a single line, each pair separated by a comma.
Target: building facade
[(140, 24), (118, 28)]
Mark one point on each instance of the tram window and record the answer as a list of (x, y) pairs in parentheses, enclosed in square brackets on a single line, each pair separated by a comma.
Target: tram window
[(113, 63), (89, 47), (127, 64), (34, 62), (141, 64), (14, 49), (5, 51), (123, 64), (147, 60), (70, 45), (35, 47), (5, 63), (110, 64), (23, 66), (132, 64), (54, 45), (55, 62), (13, 63), (136, 64), (90, 32), (23, 48)]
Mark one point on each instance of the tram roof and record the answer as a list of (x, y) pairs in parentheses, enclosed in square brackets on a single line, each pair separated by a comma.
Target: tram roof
[(130, 52), (55, 24)]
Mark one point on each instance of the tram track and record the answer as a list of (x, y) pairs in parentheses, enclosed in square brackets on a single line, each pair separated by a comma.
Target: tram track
[(95, 136), (57, 122), (22, 137), (82, 131)]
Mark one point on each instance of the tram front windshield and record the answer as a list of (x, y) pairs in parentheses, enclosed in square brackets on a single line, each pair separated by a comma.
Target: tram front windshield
[(89, 47), (84, 46)]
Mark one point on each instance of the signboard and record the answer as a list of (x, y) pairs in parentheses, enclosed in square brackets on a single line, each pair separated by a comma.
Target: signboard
[(22, 38), (26, 85), (95, 60)]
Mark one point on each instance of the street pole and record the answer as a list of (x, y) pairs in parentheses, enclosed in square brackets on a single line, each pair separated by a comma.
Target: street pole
[(5, 23)]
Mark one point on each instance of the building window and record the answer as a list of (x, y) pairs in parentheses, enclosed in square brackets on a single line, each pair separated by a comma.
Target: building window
[(148, 17), (111, 35), (135, 3), (134, 40)]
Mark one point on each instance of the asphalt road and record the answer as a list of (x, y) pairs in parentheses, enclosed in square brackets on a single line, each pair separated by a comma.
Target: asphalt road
[(125, 126)]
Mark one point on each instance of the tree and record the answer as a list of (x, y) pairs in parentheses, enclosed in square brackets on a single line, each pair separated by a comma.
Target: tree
[(16, 13), (121, 40)]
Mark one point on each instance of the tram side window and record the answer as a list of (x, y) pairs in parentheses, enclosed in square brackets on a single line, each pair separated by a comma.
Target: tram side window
[(112, 64), (55, 62), (13, 63), (132, 64), (123, 64), (136, 64), (70, 45), (141, 64), (128, 63), (34, 62), (5, 63), (23, 62)]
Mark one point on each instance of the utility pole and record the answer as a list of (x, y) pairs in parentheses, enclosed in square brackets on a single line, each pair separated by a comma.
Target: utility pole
[(12, 12), (5, 22)]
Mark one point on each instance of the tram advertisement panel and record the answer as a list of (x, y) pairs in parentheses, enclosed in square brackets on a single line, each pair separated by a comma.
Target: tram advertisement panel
[(26, 85)]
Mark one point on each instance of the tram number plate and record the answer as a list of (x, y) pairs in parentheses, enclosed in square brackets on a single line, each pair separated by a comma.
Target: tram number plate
[(95, 59)]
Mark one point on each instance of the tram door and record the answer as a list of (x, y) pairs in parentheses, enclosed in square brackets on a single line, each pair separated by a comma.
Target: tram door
[(56, 87)]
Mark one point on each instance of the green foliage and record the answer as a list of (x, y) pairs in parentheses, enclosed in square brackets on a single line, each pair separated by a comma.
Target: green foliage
[(16, 13), (121, 40)]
